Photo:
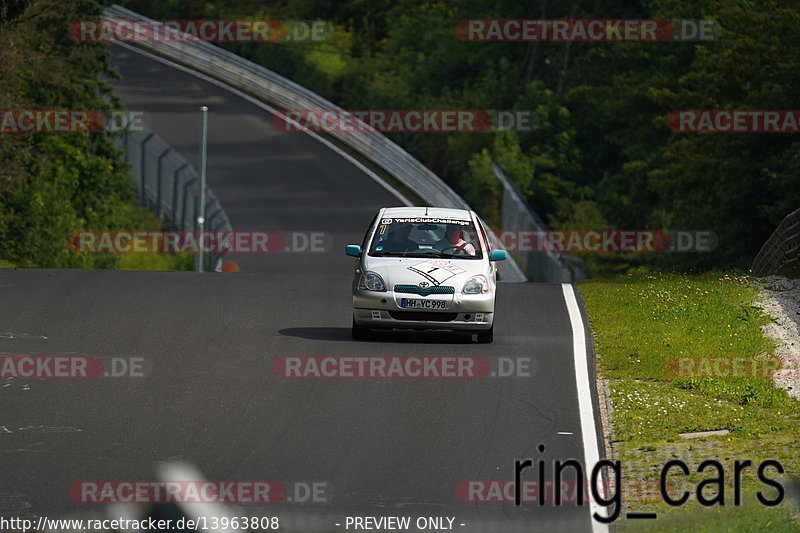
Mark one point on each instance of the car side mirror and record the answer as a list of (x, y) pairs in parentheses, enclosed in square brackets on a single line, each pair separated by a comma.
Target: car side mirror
[(498, 255), (353, 250)]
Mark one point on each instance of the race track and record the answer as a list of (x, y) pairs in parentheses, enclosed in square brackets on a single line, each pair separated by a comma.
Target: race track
[(206, 343)]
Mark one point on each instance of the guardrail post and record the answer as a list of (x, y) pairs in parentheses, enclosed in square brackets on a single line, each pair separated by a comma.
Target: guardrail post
[(177, 221), (159, 212), (142, 159)]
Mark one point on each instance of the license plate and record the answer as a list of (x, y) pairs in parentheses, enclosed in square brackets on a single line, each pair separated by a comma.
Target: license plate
[(412, 303)]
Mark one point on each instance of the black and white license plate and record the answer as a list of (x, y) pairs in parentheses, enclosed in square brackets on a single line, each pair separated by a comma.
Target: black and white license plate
[(414, 303)]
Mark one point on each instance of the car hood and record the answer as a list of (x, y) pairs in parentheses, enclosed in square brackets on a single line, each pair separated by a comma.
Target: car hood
[(434, 271)]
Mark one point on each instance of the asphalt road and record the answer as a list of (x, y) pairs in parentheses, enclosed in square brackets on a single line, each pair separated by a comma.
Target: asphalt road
[(205, 344), (206, 392), (266, 180)]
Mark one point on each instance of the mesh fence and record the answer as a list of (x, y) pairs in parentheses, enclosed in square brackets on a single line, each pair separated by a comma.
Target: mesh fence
[(170, 187)]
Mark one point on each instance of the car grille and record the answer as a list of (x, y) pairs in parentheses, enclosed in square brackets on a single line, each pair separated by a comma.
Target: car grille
[(436, 289), (423, 316)]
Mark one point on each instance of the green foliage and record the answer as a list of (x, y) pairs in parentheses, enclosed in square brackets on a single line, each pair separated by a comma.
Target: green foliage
[(737, 185), (602, 139), (481, 188), (52, 184), (554, 159)]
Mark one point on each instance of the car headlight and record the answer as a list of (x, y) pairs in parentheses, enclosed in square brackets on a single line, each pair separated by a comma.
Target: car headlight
[(476, 285), (370, 281)]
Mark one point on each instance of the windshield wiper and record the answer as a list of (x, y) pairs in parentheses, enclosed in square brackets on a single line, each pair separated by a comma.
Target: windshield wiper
[(423, 254), (441, 254), (446, 255), (389, 254)]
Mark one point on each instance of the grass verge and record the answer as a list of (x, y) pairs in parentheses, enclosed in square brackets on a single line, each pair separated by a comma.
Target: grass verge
[(643, 323)]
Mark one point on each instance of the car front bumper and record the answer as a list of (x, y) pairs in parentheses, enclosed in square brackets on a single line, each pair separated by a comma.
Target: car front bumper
[(382, 310)]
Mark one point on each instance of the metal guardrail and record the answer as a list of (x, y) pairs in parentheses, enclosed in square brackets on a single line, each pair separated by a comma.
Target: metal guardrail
[(169, 186), (783, 244), (551, 267), (270, 87)]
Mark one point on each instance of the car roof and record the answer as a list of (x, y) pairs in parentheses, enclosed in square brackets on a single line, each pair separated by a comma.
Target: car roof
[(432, 212)]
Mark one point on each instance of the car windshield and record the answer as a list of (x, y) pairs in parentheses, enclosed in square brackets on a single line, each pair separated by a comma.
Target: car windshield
[(426, 237)]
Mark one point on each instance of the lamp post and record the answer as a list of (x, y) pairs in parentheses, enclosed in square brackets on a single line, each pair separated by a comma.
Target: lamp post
[(201, 209)]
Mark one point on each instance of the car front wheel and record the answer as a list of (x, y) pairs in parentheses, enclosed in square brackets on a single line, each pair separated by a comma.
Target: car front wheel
[(358, 332), (486, 336)]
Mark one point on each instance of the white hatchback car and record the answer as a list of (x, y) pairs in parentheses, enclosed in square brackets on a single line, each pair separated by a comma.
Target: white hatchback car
[(425, 268)]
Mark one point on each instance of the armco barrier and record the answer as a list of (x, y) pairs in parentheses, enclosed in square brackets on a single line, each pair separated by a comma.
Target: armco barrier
[(169, 186), (547, 266), (272, 88), (783, 244)]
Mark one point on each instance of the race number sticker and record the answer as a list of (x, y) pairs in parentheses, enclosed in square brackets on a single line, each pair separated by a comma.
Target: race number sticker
[(436, 271)]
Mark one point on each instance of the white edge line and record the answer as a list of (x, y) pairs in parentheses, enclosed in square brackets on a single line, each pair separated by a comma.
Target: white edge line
[(589, 433), (355, 162)]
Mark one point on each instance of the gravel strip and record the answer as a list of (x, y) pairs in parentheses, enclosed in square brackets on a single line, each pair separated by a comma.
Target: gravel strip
[(780, 298)]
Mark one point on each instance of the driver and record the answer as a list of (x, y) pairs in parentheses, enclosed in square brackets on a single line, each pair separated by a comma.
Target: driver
[(454, 242), (398, 241)]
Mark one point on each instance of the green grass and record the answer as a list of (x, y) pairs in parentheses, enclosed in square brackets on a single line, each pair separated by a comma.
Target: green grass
[(640, 323), (6, 264), (645, 321), (745, 519)]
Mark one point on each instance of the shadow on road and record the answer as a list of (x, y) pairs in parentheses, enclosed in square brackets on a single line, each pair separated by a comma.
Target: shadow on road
[(400, 336), (319, 334)]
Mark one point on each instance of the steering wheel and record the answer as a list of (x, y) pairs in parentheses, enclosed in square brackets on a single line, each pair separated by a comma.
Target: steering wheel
[(456, 248)]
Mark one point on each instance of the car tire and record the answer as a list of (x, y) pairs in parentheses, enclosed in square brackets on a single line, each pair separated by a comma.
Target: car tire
[(486, 336), (357, 332)]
